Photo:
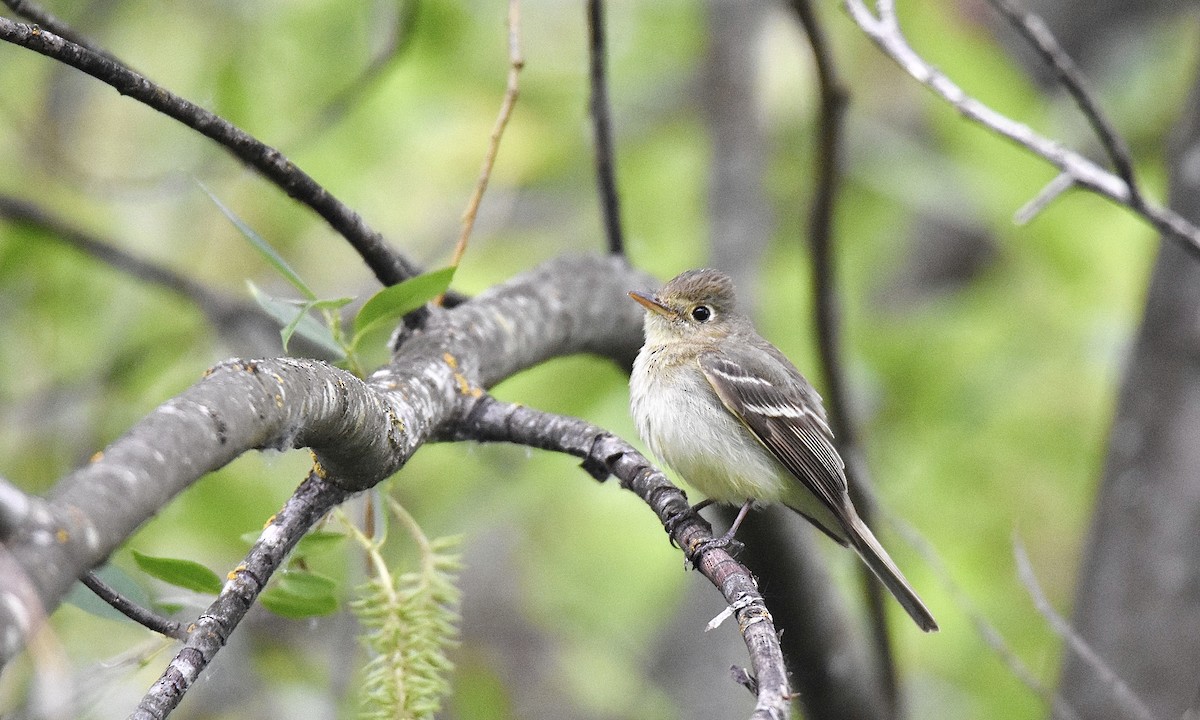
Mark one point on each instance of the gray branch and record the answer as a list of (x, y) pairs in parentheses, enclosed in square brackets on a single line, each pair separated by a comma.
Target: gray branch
[(360, 432), (883, 28)]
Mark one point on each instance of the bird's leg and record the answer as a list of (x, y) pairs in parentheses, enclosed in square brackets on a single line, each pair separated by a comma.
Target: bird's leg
[(727, 539), (737, 521)]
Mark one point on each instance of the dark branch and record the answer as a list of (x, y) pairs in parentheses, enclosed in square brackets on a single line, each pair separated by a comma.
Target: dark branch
[(241, 324), (140, 615), (827, 315), (35, 13), (610, 205), (360, 432), (312, 500), (489, 420), (1034, 30), (387, 265)]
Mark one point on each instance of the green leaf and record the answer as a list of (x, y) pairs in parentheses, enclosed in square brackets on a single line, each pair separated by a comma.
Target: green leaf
[(293, 316), (300, 594), (181, 573), (263, 247), (397, 301)]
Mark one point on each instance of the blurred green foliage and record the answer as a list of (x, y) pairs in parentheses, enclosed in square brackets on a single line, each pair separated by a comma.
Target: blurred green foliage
[(984, 404)]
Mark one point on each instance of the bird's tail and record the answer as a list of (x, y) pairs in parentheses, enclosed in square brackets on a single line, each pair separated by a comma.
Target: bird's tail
[(863, 540)]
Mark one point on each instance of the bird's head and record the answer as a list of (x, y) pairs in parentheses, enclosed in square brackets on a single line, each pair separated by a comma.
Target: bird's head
[(696, 304)]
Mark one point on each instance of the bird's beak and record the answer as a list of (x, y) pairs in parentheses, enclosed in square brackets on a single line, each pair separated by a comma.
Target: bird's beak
[(651, 303)]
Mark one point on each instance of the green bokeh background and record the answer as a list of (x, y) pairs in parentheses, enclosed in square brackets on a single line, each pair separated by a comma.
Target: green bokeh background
[(984, 407)]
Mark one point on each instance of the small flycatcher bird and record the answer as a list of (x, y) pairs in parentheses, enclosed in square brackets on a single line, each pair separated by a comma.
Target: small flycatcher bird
[(735, 418)]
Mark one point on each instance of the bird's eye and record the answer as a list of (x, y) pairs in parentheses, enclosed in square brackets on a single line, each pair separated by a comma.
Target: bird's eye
[(701, 313)]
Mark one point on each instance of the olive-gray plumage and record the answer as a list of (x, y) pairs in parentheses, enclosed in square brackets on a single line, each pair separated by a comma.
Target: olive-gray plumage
[(735, 418)]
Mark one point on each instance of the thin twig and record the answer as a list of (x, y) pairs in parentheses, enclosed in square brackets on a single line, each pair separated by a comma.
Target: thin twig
[(140, 615), (486, 419), (1034, 29), (46, 20), (387, 265), (983, 627), (610, 205), (311, 501), (234, 320), (511, 92), (827, 316), (1059, 185), (1129, 702), (884, 30)]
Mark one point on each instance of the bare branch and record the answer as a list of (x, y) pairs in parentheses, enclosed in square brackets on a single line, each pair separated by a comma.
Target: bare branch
[(360, 432), (1131, 704), (140, 615), (1034, 29), (1059, 185), (885, 31), (983, 627), (387, 265), (242, 324), (827, 314), (35, 13), (610, 204), (487, 419), (312, 500)]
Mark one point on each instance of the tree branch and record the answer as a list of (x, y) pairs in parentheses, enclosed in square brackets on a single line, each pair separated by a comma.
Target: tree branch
[(387, 265), (1034, 30), (827, 314), (46, 20), (315, 497), (512, 90), (1130, 704), (486, 419), (610, 205), (360, 432), (241, 324), (133, 611), (884, 30)]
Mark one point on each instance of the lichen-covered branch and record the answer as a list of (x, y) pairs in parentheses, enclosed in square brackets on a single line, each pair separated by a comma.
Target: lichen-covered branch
[(311, 501), (360, 431), (603, 454)]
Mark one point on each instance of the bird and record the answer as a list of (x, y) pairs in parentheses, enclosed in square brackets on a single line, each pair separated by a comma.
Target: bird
[(728, 412)]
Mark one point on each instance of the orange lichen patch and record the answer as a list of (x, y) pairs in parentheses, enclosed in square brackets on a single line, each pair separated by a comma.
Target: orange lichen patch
[(268, 522), (318, 468), (96, 457), (234, 572), (450, 360), (62, 536)]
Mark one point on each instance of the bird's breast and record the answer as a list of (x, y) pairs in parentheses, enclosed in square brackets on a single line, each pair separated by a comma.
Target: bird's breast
[(683, 421)]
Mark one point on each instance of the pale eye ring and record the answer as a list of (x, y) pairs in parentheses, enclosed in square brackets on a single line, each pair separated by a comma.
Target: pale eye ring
[(701, 313)]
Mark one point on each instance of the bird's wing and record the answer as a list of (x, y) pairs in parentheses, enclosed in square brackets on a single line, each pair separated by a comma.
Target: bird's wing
[(787, 418)]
